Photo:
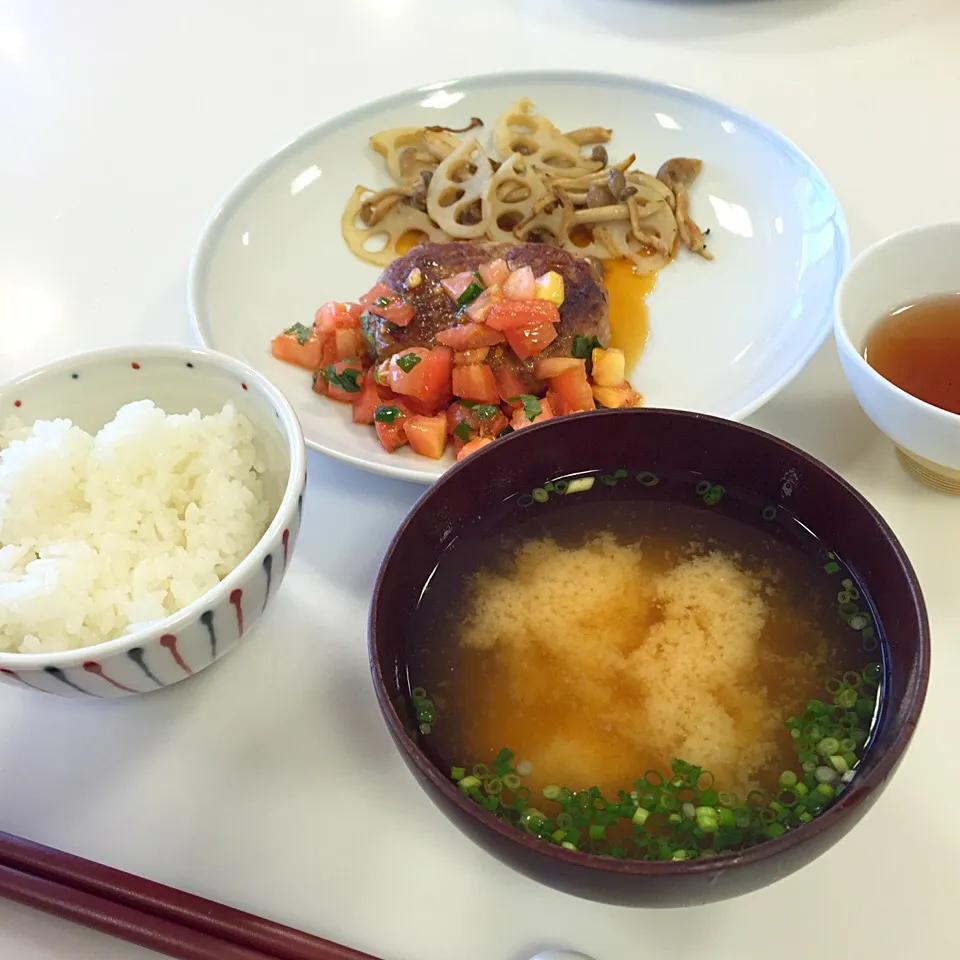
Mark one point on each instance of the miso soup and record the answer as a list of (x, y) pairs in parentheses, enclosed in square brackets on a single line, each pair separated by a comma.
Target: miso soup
[(644, 666)]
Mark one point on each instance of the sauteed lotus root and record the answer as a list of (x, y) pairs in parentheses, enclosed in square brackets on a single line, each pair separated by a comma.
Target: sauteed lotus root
[(548, 187)]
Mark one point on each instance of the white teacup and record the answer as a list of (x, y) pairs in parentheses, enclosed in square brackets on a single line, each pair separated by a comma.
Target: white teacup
[(919, 263)]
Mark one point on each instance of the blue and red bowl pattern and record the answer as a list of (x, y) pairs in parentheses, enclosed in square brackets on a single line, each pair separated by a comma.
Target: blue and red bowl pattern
[(169, 658)]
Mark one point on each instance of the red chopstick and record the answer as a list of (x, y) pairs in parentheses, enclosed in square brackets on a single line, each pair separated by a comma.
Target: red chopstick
[(151, 914), (164, 936)]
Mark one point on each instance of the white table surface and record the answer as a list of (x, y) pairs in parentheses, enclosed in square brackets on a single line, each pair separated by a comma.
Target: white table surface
[(269, 782)]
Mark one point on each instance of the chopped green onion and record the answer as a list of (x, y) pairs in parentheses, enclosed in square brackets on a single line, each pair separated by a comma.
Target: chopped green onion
[(647, 479), (502, 763), (552, 792), (838, 763), (469, 782), (640, 816), (828, 746), (299, 331), (714, 495), (788, 779), (458, 773), (706, 818), (540, 495), (846, 698), (580, 484), (597, 831)]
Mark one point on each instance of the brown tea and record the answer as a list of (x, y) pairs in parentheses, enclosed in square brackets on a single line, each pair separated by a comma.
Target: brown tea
[(917, 348)]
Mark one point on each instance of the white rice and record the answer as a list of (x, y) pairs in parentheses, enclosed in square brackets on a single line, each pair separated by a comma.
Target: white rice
[(103, 534)]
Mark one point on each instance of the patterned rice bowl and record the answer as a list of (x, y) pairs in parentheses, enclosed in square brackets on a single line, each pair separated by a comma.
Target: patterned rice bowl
[(88, 389)]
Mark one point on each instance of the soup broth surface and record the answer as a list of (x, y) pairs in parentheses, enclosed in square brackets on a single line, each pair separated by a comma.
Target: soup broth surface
[(605, 634)]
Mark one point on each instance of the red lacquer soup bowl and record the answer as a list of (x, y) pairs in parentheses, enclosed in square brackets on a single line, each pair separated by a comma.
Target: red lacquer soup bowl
[(640, 443)]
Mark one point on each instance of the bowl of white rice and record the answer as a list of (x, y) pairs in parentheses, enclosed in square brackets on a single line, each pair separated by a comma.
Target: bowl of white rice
[(150, 500)]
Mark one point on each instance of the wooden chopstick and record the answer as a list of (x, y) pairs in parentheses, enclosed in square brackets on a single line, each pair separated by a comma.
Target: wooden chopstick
[(151, 914), (155, 933)]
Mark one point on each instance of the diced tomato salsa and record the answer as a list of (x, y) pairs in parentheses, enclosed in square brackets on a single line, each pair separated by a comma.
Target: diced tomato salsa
[(464, 390)]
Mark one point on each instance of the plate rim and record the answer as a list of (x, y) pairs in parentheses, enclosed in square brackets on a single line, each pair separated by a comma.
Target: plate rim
[(232, 198)]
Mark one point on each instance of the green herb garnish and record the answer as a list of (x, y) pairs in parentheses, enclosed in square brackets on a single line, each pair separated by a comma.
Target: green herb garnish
[(581, 347), (301, 332), (369, 324), (383, 301), (407, 362), (463, 431), (531, 405), (346, 380), (684, 815), (384, 414), (469, 295), (484, 411)]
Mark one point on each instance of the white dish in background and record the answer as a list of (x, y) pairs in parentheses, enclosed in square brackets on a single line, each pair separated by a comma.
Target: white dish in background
[(724, 336)]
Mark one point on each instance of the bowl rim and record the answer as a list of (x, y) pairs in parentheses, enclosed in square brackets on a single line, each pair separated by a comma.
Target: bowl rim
[(293, 438), (827, 821), (845, 343)]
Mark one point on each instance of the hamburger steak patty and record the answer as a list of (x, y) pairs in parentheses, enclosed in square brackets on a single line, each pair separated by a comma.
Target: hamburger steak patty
[(583, 311)]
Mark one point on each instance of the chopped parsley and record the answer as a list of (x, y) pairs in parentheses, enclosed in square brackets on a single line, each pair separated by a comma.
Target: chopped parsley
[(531, 405), (369, 324), (485, 410), (387, 415), (582, 346), (463, 431), (470, 294), (407, 362), (301, 332), (346, 380)]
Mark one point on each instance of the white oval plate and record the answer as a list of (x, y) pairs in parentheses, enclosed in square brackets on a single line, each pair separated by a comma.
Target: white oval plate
[(724, 336)]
